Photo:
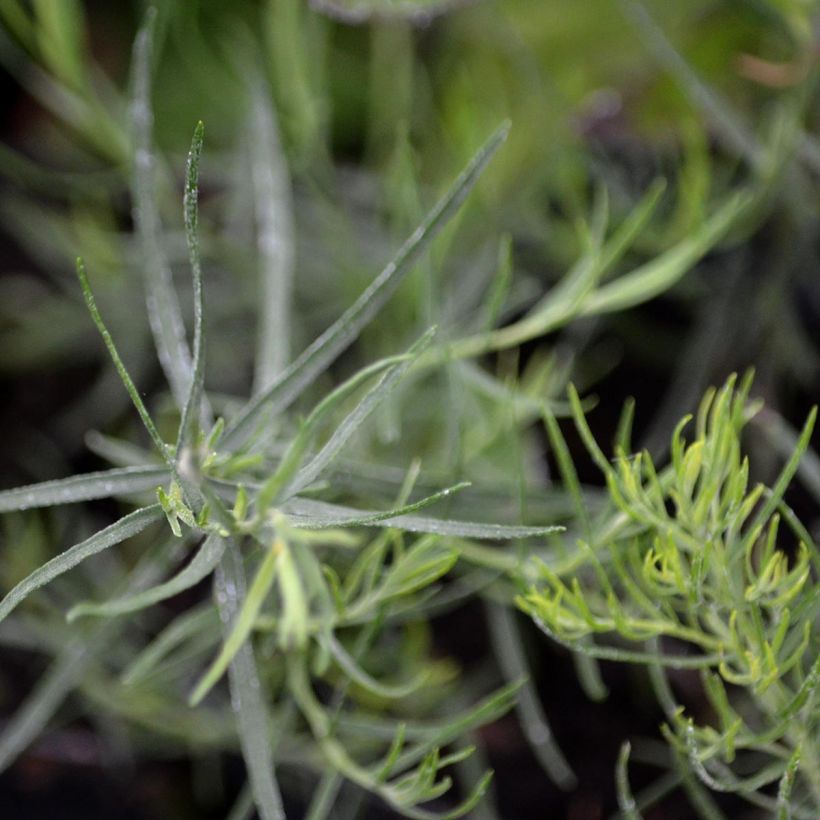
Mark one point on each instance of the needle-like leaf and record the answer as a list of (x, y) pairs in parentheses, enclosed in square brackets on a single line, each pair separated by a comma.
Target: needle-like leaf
[(164, 312), (126, 527), (84, 487), (243, 624), (246, 692), (316, 358), (193, 407), (91, 304), (200, 566)]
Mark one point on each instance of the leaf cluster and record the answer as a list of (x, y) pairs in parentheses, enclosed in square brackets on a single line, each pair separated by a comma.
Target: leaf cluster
[(691, 571)]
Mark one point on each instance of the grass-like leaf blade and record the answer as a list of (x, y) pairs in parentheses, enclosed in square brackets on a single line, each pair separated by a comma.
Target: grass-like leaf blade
[(660, 273), (147, 421), (308, 513), (359, 676), (486, 711), (194, 399), (164, 312), (243, 624), (291, 460), (126, 527), (509, 649), (66, 672), (84, 487), (183, 628), (319, 355), (371, 400), (29, 720), (626, 802), (199, 567), (246, 692), (370, 519), (274, 239), (727, 123)]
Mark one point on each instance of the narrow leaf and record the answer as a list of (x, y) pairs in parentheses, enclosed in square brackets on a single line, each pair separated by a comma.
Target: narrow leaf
[(370, 519), (310, 514), (243, 624), (85, 487), (164, 312), (29, 720), (729, 126), (126, 527), (200, 566), (358, 675), (246, 692), (626, 802), (355, 12), (378, 393), (427, 561), (509, 650), (181, 629), (659, 274), (291, 460), (193, 401), (91, 304), (786, 474), (486, 711), (274, 240), (319, 355)]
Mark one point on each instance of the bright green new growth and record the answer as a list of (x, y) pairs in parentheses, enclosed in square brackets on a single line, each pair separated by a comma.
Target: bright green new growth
[(689, 571)]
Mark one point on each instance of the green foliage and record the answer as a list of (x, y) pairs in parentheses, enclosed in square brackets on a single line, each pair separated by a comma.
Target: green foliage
[(298, 493), (306, 607), (691, 569)]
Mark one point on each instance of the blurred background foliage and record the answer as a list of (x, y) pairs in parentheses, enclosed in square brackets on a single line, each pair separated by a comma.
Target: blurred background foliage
[(377, 104)]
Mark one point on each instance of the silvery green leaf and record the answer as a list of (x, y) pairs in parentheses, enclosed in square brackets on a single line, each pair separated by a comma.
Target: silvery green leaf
[(84, 487)]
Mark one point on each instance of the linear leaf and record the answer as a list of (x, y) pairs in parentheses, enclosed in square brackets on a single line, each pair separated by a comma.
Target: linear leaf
[(358, 675), (613, 653), (130, 387), (66, 672), (29, 720), (358, 11), (243, 624), (200, 566), (560, 305), (84, 487), (181, 629), (370, 519), (489, 385), (319, 355), (559, 447), (427, 561), (786, 475), (509, 649), (488, 710), (291, 460), (246, 692), (193, 406), (308, 513), (371, 400), (126, 527), (164, 312), (626, 802), (118, 452), (274, 239), (729, 126), (659, 274), (630, 229)]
